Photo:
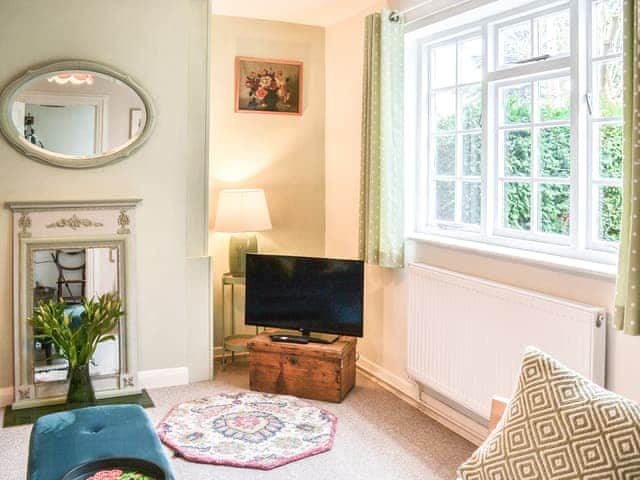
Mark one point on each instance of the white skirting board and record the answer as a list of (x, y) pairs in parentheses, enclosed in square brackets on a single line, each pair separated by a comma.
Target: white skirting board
[(408, 391), (397, 384), (164, 377)]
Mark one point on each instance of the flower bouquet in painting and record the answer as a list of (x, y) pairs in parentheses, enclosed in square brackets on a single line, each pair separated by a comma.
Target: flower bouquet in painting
[(268, 86), (266, 89)]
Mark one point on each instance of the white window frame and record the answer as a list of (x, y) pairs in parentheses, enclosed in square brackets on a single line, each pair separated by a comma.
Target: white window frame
[(457, 132), (542, 9), (594, 181), (534, 179), (579, 244)]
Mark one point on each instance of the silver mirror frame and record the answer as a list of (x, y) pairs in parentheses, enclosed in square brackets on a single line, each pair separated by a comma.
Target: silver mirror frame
[(10, 92)]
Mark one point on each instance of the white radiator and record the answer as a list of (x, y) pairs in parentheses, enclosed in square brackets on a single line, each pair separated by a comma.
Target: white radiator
[(466, 336)]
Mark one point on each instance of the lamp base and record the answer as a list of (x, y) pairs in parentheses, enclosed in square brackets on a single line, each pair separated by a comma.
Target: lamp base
[(239, 246)]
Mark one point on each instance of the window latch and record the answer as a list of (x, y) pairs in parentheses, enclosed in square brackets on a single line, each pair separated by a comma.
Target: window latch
[(539, 58), (450, 226), (589, 99)]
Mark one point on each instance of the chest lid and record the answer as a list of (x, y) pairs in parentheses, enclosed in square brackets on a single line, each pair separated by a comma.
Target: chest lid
[(335, 350)]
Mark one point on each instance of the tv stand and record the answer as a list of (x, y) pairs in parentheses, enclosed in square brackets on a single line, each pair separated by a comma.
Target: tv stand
[(305, 336), (314, 370)]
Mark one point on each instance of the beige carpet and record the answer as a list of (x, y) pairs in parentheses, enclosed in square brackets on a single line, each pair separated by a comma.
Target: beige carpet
[(378, 437)]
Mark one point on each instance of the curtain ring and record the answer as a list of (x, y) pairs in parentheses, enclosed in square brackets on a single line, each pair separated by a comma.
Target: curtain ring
[(394, 16)]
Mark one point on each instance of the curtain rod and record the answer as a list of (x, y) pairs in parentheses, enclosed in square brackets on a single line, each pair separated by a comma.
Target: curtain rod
[(395, 15)]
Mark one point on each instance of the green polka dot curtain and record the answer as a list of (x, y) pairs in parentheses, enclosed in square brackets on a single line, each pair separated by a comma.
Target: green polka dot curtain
[(382, 178), (627, 302)]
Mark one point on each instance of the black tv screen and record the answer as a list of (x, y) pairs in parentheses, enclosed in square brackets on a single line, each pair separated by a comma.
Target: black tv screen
[(309, 294)]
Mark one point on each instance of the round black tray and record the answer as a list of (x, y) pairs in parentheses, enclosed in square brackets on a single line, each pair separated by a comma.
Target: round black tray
[(86, 470)]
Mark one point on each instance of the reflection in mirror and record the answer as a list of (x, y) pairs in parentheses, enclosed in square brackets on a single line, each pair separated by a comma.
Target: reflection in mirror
[(79, 113), (74, 274)]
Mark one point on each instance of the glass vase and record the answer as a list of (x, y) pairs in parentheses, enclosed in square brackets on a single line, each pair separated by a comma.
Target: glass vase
[(80, 391)]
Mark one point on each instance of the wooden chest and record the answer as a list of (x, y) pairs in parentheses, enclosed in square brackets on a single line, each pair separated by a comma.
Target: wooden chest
[(313, 370)]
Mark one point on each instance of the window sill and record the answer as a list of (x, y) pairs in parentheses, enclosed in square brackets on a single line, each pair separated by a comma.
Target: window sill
[(537, 259)]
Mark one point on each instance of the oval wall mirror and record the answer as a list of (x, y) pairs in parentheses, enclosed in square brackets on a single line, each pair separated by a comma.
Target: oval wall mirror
[(76, 114)]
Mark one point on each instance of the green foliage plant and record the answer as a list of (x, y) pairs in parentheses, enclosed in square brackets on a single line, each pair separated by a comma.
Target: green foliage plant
[(77, 343)]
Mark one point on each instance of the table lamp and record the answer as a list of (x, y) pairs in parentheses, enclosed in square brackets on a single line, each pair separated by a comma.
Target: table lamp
[(242, 212)]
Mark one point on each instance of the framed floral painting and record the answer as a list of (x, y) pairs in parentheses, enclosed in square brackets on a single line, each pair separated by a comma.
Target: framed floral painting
[(268, 86)]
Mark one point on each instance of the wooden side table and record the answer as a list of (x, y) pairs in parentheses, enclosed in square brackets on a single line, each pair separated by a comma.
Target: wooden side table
[(233, 343)]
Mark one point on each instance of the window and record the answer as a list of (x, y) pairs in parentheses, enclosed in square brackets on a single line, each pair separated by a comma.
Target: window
[(456, 129), (534, 152), (519, 129), (605, 120)]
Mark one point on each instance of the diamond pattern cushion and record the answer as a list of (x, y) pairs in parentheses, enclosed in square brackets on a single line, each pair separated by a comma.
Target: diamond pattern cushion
[(559, 426)]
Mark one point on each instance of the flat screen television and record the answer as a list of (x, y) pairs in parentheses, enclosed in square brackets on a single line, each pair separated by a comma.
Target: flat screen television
[(320, 295)]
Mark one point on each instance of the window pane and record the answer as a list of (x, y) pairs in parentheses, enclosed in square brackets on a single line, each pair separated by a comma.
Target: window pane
[(445, 154), (471, 154), (471, 202), (516, 102), (514, 43), (554, 99), (517, 205), (610, 213), (470, 58), (610, 148), (607, 27), (555, 151), (443, 66), (553, 34), (554, 208), (517, 153), (444, 110), (471, 106), (607, 87), (445, 200)]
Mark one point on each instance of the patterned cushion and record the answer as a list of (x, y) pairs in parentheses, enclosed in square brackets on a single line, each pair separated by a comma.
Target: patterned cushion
[(559, 426)]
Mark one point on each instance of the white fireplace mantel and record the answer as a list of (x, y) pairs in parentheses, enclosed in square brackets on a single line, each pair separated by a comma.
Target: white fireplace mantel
[(73, 225)]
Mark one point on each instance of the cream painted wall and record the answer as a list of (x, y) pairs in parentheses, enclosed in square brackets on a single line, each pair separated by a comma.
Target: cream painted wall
[(282, 154), (384, 343), (343, 58), (162, 43)]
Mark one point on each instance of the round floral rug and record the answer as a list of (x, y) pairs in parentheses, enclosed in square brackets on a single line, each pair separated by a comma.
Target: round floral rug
[(249, 429)]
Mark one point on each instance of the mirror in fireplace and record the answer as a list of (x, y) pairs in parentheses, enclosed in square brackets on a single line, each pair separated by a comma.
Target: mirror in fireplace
[(71, 275)]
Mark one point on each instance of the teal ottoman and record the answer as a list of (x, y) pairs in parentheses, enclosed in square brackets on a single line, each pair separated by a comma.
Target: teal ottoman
[(62, 441)]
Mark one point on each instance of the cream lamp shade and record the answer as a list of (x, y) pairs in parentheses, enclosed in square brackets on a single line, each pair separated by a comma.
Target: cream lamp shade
[(242, 210)]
